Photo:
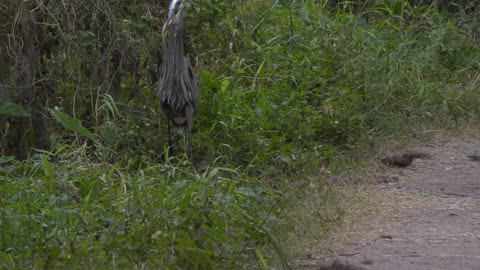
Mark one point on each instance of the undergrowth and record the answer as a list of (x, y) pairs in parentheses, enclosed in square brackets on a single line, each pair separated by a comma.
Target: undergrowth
[(88, 215), (286, 88)]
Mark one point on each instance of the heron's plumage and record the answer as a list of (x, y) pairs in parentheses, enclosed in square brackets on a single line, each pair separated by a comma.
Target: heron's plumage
[(178, 86)]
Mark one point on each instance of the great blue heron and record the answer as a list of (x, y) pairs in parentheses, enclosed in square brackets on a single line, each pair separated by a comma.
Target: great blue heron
[(178, 85)]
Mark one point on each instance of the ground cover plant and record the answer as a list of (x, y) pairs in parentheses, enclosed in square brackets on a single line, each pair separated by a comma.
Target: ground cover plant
[(286, 87)]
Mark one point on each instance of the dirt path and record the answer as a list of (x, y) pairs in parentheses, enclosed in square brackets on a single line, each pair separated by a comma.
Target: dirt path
[(431, 216)]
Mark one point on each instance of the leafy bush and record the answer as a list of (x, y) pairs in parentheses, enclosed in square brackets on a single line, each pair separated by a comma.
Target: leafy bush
[(99, 215)]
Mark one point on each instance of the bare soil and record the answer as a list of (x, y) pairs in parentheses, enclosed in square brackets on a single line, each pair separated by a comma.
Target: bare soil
[(427, 217)]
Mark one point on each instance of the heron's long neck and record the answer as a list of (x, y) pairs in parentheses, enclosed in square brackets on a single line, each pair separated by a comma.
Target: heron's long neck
[(175, 50)]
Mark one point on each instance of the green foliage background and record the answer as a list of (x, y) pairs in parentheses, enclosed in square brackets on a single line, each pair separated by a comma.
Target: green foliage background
[(285, 87)]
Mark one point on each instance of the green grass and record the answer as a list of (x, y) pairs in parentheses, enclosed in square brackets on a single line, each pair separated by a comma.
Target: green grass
[(80, 214), (286, 89)]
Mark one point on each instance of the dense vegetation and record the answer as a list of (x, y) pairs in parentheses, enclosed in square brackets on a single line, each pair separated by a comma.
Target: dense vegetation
[(285, 87)]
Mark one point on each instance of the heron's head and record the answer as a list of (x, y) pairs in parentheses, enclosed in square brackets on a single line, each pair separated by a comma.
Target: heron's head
[(175, 17)]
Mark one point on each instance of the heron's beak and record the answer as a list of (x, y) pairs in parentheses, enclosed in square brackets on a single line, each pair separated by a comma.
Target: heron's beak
[(172, 19), (167, 25)]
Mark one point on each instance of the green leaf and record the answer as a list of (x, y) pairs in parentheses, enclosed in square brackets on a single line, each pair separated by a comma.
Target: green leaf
[(261, 258), (47, 169), (230, 23), (12, 109), (72, 124), (225, 85)]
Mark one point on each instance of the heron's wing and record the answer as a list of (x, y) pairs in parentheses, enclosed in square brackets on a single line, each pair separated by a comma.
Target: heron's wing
[(191, 88)]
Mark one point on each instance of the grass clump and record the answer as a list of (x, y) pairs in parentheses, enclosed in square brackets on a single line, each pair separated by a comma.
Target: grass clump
[(86, 215)]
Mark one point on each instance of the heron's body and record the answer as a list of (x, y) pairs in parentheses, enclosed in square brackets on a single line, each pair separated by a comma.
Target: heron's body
[(178, 85)]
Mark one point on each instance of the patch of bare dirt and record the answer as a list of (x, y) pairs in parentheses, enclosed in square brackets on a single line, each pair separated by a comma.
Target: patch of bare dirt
[(425, 215)]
